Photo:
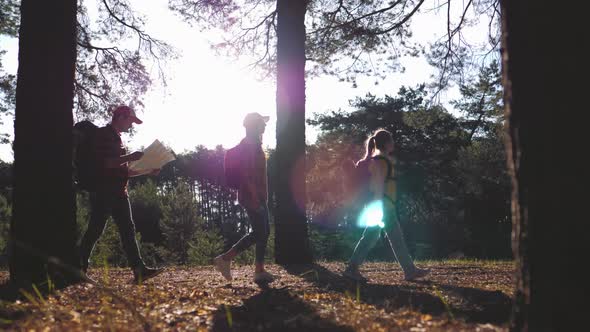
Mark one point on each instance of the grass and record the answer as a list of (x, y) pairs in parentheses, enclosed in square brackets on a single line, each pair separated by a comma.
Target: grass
[(459, 295)]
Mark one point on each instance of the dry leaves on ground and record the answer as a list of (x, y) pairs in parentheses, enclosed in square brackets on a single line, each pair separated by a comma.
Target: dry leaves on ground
[(457, 296)]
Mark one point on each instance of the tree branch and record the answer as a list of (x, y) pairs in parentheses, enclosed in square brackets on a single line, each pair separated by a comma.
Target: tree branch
[(400, 23), (97, 48), (356, 19), (140, 33), (267, 39)]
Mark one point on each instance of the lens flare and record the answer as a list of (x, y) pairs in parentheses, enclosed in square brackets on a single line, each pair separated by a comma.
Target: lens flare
[(372, 215)]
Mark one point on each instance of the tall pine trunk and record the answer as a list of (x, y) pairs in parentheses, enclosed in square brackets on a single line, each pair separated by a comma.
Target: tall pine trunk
[(291, 237), (43, 228), (544, 75)]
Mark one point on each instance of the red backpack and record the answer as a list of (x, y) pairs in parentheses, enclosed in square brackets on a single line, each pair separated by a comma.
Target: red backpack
[(232, 163)]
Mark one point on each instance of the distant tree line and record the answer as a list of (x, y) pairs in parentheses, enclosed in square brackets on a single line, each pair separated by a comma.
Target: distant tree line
[(454, 189)]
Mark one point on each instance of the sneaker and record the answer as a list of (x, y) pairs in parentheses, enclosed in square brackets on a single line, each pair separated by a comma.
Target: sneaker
[(263, 277), (416, 274), (354, 275), (84, 277), (223, 266), (144, 273), (84, 267)]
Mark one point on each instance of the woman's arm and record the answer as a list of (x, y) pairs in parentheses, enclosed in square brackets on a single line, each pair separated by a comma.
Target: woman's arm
[(378, 170)]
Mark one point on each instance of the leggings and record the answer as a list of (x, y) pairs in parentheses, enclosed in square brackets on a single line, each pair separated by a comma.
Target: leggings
[(396, 241), (258, 235)]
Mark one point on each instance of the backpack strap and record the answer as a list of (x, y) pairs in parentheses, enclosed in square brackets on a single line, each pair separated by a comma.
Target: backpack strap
[(389, 167), (388, 177), (390, 200)]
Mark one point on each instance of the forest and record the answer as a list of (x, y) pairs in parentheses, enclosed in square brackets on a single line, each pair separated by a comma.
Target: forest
[(455, 189), (489, 192)]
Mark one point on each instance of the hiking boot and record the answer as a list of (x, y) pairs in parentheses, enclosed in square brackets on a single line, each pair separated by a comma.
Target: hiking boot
[(354, 274), (263, 277), (223, 266), (416, 274), (144, 273)]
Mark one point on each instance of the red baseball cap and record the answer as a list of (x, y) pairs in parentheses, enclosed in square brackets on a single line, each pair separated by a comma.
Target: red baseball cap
[(127, 111)]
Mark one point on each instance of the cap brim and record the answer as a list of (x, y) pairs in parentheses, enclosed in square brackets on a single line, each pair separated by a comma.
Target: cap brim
[(266, 118), (137, 120)]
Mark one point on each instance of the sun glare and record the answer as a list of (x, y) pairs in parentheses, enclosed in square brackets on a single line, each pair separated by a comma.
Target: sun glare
[(372, 215), (205, 105)]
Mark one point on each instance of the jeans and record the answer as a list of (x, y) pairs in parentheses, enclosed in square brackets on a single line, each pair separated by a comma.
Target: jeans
[(396, 242), (103, 205), (258, 235)]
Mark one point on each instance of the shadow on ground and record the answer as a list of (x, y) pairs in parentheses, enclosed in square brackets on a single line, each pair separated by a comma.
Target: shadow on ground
[(8, 313), (272, 310), (479, 305), (471, 304)]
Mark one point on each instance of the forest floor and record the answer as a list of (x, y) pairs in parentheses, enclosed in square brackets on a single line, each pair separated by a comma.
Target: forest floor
[(457, 296)]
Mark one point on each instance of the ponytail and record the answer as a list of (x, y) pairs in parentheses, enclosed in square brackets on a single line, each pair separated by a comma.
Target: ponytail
[(377, 141), (370, 148)]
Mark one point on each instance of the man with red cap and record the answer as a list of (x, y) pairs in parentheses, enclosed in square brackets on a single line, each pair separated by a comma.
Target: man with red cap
[(110, 196)]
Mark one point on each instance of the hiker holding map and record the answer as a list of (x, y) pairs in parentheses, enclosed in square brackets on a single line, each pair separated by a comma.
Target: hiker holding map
[(113, 167), (153, 159)]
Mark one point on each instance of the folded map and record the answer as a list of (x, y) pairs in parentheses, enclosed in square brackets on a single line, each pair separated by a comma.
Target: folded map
[(155, 156)]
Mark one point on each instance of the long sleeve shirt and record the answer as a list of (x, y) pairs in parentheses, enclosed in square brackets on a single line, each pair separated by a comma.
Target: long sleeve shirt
[(108, 144), (253, 191)]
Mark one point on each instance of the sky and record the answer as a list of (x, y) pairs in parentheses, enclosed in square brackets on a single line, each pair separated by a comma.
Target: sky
[(207, 95)]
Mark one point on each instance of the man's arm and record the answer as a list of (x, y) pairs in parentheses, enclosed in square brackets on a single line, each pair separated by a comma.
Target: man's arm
[(248, 172), (253, 193), (133, 173), (248, 194), (118, 161)]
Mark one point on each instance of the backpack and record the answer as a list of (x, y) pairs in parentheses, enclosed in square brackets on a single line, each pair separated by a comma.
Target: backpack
[(358, 178), (84, 157), (232, 163)]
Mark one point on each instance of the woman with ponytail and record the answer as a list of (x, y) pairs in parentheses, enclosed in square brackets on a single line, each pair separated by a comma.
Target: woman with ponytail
[(383, 192)]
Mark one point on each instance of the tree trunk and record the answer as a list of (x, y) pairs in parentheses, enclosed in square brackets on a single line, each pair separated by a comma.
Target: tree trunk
[(43, 228), (543, 54), (291, 238)]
